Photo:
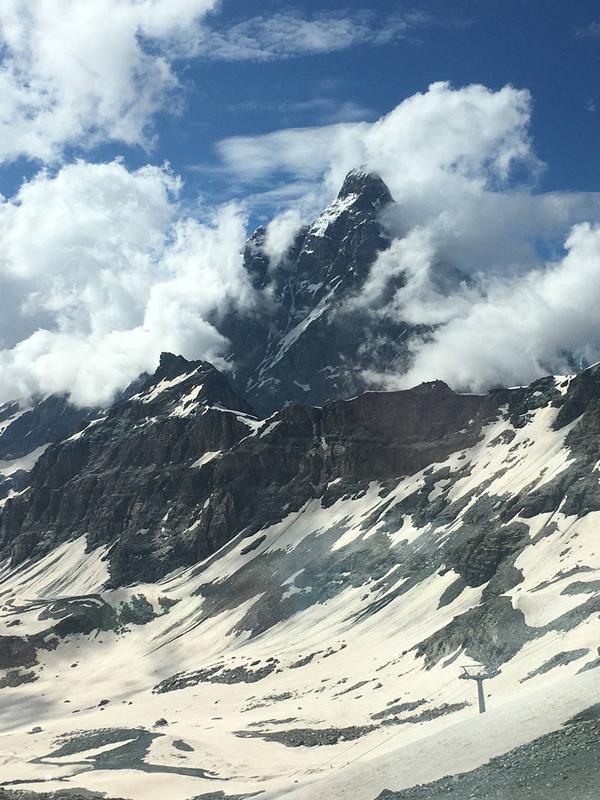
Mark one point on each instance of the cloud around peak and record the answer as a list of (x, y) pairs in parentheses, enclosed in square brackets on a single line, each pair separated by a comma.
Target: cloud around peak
[(472, 132), (502, 278), (121, 269), (540, 322), (116, 273)]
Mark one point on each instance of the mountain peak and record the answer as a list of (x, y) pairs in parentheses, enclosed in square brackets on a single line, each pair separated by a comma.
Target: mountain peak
[(171, 361), (367, 185)]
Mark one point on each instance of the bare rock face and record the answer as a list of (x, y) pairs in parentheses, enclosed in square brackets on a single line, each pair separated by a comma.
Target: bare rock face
[(26, 429), (16, 651), (171, 473), (43, 421), (115, 479), (310, 342), (174, 471)]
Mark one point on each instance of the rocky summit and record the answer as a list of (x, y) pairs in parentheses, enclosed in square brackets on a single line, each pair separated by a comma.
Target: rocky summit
[(268, 582), (311, 340)]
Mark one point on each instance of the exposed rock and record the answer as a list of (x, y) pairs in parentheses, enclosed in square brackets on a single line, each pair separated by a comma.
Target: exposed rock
[(124, 472), (15, 678), (130, 752), (310, 737), (309, 346), (47, 420), (397, 708), (215, 675), (143, 454), (490, 634), (16, 651), (562, 764), (560, 659)]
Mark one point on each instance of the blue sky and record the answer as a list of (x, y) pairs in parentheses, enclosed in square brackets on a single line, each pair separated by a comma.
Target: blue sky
[(483, 117), (551, 48), (532, 44)]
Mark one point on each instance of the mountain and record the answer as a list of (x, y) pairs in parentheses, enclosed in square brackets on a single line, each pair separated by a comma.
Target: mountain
[(218, 588), (27, 430), (185, 448), (211, 591), (118, 477), (308, 342)]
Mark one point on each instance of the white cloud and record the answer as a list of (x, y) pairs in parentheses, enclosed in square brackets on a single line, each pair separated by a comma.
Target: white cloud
[(325, 109), (79, 72), (280, 234), (471, 135), (117, 270), (289, 34), (82, 72), (448, 156), (538, 323), (423, 297), (115, 274), (589, 31)]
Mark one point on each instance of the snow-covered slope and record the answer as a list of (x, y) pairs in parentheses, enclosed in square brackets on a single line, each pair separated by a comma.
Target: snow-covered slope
[(317, 653)]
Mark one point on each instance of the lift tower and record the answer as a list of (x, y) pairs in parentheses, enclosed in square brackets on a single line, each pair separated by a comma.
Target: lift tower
[(479, 673)]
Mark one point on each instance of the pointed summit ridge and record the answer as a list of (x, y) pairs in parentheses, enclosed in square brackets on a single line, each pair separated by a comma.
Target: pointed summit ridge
[(362, 195), (306, 347), (366, 185)]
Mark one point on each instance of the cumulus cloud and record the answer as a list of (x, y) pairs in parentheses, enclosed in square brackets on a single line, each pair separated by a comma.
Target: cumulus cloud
[(81, 72), (472, 134), (450, 157), (115, 274), (439, 151), (541, 322), (424, 290), (502, 279)]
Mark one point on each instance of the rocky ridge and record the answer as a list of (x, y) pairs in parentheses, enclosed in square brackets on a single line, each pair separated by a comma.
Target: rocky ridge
[(308, 343)]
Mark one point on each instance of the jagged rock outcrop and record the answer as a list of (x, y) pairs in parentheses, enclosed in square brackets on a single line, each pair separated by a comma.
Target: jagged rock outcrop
[(47, 420), (117, 478), (308, 342), (27, 429), (172, 473)]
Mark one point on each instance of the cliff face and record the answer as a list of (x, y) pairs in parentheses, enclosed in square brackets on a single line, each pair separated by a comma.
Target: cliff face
[(175, 471), (309, 342), (116, 479)]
